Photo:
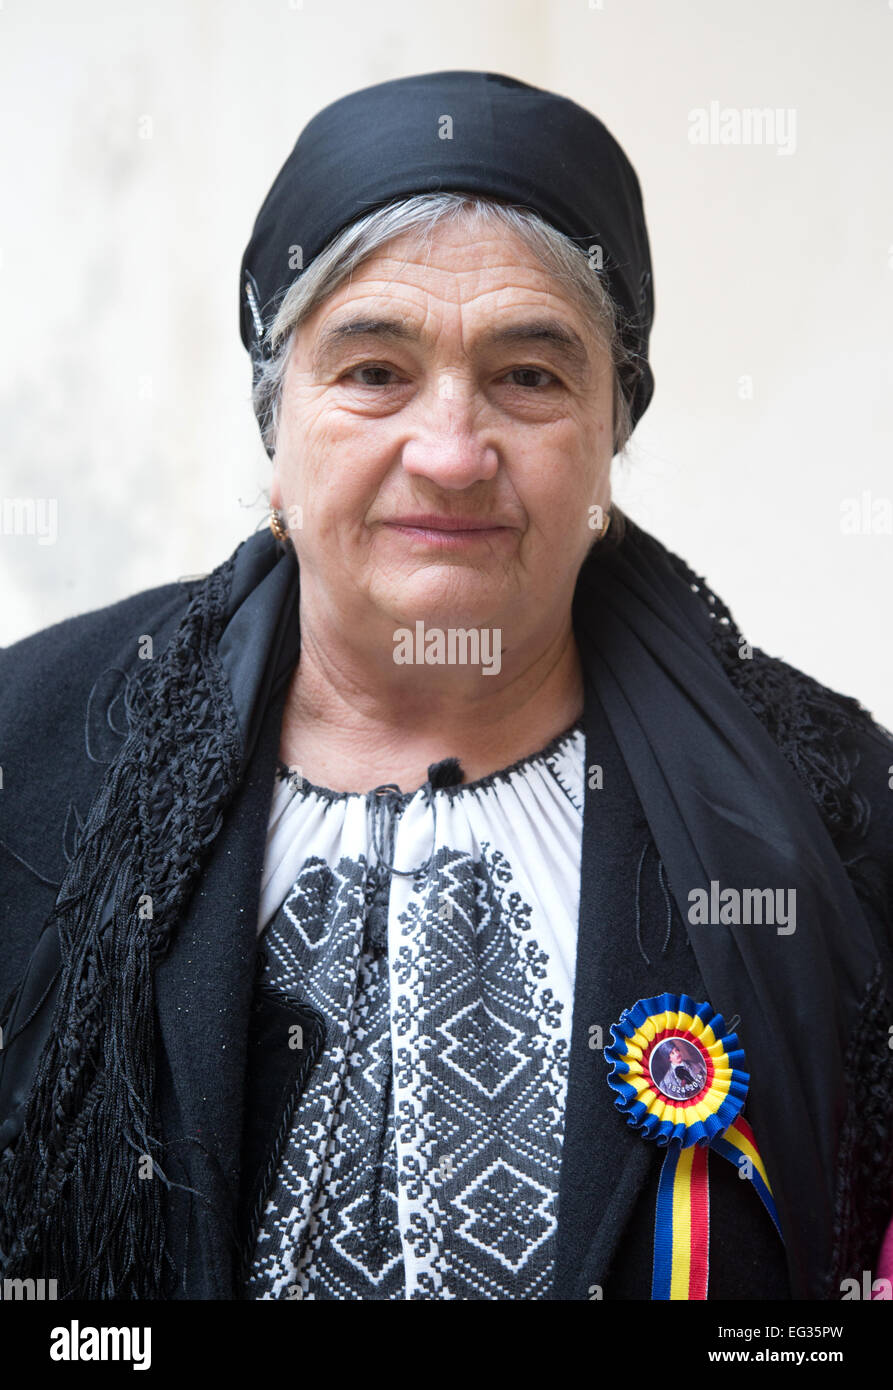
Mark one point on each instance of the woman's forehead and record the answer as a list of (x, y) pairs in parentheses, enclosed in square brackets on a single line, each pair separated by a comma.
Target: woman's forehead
[(451, 260), (405, 292)]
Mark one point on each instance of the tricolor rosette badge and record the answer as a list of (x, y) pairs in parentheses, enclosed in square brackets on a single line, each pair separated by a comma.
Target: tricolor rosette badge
[(678, 1074), (679, 1079)]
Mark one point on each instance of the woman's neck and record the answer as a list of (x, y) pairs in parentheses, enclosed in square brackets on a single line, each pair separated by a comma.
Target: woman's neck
[(344, 734)]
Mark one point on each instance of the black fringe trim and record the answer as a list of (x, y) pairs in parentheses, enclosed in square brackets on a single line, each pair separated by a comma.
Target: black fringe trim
[(864, 1203), (75, 1202)]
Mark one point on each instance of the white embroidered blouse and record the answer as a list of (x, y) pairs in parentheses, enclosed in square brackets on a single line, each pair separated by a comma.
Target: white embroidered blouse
[(435, 931)]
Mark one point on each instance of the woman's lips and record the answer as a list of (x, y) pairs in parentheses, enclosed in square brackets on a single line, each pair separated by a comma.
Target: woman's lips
[(451, 539)]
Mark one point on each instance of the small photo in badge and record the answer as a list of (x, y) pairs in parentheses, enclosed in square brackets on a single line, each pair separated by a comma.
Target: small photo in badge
[(677, 1069)]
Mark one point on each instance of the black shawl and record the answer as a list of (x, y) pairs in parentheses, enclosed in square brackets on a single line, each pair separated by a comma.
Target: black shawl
[(745, 770)]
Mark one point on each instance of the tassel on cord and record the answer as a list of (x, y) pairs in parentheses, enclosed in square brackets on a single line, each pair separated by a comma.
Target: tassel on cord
[(72, 1204)]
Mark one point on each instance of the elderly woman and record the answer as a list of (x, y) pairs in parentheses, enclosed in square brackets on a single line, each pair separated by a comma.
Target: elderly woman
[(442, 899)]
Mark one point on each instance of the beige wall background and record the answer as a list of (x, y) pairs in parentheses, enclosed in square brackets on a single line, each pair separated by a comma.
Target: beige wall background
[(139, 140)]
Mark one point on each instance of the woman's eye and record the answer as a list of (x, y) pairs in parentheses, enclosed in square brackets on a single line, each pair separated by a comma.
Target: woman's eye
[(370, 368), (373, 374), (533, 372)]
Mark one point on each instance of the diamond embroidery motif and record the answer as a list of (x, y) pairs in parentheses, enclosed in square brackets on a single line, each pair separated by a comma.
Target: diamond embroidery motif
[(508, 1215), (359, 1219), (483, 1048)]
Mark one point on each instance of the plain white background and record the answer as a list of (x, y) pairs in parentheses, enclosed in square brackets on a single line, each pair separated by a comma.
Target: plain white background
[(139, 141)]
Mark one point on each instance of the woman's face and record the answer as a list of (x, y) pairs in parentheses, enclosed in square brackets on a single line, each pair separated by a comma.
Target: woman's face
[(473, 391)]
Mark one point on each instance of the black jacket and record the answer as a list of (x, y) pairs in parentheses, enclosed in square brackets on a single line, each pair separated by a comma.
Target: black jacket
[(227, 1088)]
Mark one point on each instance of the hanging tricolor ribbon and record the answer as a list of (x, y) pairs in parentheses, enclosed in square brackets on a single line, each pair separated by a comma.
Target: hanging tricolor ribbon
[(680, 1079)]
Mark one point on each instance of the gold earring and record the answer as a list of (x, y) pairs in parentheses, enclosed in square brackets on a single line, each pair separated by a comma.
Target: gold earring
[(604, 530), (278, 527)]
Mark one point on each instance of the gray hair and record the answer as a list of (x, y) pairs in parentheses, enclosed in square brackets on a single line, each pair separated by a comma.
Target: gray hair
[(421, 213)]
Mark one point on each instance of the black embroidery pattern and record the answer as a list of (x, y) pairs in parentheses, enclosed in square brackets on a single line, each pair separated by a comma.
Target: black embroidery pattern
[(478, 1106)]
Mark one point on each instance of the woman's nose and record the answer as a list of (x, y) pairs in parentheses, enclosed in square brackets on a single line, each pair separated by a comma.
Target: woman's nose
[(450, 444)]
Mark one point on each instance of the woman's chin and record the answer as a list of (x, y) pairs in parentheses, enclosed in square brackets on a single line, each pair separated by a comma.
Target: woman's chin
[(438, 604)]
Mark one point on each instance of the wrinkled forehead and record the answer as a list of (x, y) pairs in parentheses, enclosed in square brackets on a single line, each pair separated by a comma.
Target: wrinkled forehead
[(483, 284)]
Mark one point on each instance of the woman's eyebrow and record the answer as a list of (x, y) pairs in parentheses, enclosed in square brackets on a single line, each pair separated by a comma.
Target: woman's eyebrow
[(337, 334), (564, 341), (552, 332)]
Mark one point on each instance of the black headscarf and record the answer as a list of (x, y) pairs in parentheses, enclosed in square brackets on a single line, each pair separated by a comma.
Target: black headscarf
[(475, 132)]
